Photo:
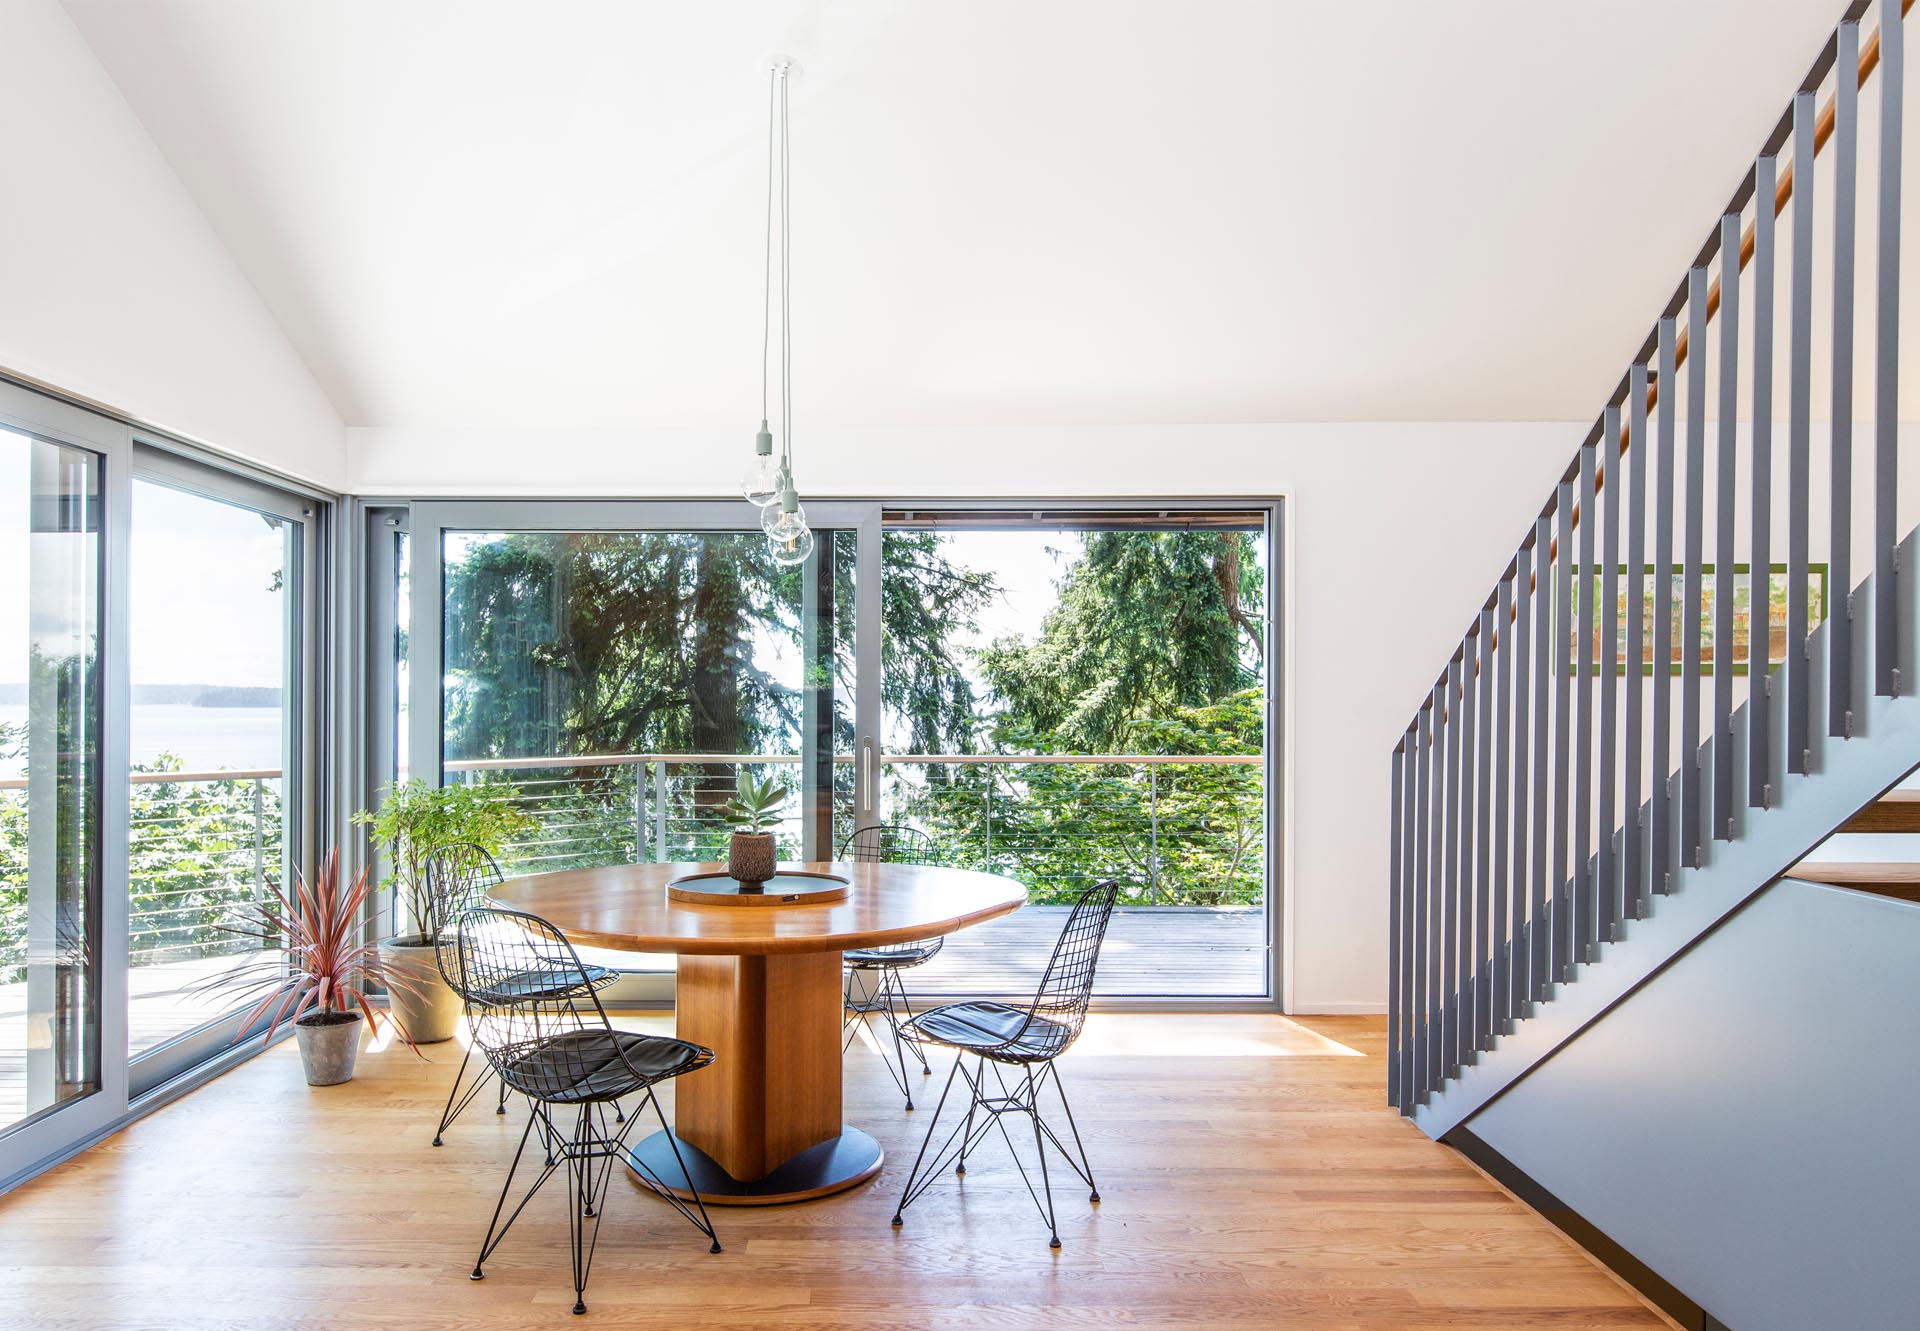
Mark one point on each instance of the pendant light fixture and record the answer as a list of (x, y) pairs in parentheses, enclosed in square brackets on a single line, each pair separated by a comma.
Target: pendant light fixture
[(769, 479)]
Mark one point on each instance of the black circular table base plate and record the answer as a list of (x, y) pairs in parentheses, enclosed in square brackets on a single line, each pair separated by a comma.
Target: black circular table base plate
[(819, 1171)]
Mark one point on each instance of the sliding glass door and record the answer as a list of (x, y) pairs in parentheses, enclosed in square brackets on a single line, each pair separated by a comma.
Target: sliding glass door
[(1082, 694), (219, 607), (607, 671), (1064, 696), (51, 765)]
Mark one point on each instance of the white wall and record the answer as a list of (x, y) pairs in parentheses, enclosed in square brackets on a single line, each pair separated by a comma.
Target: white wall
[(114, 286), (1397, 533)]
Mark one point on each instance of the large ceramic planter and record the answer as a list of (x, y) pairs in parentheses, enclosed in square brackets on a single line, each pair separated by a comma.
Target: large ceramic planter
[(750, 857), (329, 1042), (425, 1006)]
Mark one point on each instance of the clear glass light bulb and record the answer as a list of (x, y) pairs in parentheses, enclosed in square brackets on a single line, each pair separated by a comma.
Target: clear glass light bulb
[(788, 536), (770, 514), (761, 484)]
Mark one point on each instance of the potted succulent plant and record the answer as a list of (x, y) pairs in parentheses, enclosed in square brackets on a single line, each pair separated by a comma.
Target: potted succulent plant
[(415, 820), (313, 970), (753, 813)]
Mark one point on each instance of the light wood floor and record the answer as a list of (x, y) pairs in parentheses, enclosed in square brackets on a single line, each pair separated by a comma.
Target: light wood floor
[(1251, 1176)]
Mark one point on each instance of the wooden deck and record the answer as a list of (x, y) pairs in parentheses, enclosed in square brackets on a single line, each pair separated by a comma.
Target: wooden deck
[(162, 1003), (1150, 952)]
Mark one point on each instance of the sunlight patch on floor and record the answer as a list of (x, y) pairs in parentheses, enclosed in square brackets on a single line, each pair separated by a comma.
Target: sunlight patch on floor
[(1205, 1035)]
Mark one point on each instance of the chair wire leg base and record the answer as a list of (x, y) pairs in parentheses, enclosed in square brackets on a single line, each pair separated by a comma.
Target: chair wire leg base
[(885, 997), (457, 1101), (586, 1155), (986, 1108)]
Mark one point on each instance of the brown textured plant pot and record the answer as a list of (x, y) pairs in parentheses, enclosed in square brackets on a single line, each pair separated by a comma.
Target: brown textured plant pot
[(750, 857)]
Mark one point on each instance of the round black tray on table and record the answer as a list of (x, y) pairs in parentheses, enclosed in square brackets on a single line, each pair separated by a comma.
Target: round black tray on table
[(788, 887)]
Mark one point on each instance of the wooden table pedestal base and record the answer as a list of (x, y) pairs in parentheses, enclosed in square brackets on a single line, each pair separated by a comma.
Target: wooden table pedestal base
[(762, 1123)]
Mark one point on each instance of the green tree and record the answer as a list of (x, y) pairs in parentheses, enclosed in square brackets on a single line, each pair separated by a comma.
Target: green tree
[(1147, 622)]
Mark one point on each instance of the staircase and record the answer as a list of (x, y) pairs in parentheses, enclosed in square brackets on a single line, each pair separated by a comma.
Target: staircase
[(1619, 756)]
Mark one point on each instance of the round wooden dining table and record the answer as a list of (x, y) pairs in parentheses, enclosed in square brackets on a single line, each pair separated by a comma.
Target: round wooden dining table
[(761, 986)]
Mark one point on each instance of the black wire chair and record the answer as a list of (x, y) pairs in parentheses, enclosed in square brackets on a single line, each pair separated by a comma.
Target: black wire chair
[(873, 985), (460, 878), (1028, 1039), (557, 1048)]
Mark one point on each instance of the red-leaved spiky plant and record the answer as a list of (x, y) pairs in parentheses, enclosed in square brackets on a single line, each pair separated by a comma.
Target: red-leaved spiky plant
[(327, 965)]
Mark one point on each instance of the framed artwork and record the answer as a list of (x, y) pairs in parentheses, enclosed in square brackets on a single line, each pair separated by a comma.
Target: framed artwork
[(1743, 616)]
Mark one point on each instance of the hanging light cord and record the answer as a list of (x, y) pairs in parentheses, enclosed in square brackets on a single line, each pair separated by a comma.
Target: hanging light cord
[(766, 278), (786, 292)]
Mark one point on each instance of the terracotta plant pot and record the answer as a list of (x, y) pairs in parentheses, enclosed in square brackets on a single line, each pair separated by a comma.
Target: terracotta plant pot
[(329, 1042), (750, 857), (428, 1009)]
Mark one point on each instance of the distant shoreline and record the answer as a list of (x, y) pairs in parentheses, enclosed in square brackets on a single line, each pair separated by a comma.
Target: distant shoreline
[(190, 695)]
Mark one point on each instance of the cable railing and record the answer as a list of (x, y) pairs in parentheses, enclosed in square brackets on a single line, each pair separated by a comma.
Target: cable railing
[(1644, 674), (200, 844), (1183, 830)]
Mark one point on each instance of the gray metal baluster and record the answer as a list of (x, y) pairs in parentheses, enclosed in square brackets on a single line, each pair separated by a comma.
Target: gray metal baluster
[(1634, 839), (1660, 821), (1488, 852), (1606, 890), (1395, 890), (1404, 981), (1431, 784), (1692, 773), (1845, 150), (637, 771), (1725, 471), (1464, 973), (260, 848), (1517, 990), (1500, 1004), (1583, 618), (1540, 925), (1442, 846), (660, 812), (1799, 432), (1153, 833), (1886, 388), (1760, 575), (1561, 923), (1450, 922)]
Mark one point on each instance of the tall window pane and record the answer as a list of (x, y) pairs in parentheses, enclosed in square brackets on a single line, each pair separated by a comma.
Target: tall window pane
[(1082, 697), (611, 686), (213, 627), (50, 521)]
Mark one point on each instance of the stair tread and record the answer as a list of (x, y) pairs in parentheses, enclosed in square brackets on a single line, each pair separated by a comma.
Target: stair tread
[(1864, 871), (1895, 811), (1883, 877)]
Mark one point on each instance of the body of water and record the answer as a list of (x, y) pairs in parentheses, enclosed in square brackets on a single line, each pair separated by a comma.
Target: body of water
[(204, 739)]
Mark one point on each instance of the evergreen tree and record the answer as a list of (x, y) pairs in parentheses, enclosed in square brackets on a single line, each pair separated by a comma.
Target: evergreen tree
[(1147, 623)]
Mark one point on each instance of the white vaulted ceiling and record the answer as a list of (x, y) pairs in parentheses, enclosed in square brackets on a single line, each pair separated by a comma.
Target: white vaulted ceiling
[(1080, 211)]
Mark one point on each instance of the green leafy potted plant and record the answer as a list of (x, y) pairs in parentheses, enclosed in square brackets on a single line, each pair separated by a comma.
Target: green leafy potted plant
[(313, 970), (415, 820), (752, 813)]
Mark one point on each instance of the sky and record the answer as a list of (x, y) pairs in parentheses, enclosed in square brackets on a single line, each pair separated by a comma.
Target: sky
[(202, 607)]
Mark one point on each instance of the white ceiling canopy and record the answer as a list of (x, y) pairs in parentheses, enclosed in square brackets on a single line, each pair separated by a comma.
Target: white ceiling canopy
[(1084, 211)]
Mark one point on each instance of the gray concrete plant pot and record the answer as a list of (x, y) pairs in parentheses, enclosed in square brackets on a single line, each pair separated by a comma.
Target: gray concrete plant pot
[(425, 1006), (329, 1042)]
